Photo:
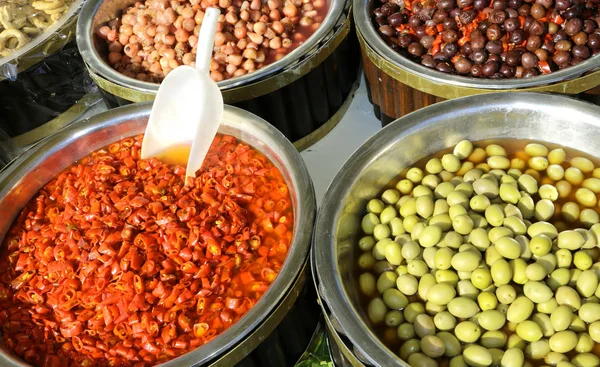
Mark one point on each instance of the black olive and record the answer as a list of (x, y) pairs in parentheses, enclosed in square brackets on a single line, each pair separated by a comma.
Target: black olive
[(537, 28), (444, 67), (396, 20), (467, 16), (427, 41), (479, 56), (490, 68), (450, 23), (545, 3), (517, 37), (414, 21), (529, 60), (446, 5), (581, 52), (562, 58), (450, 49), (404, 40), (477, 71), (464, 3), (524, 10), (533, 43), (572, 12), (387, 30), (528, 73), (494, 47), (594, 41), (497, 16), (439, 16), (512, 58), (573, 26), (416, 49), (589, 26), (507, 71), (538, 11), (463, 65), (449, 36), (494, 32), (428, 61), (466, 48), (480, 4), (515, 4), (499, 4), (562, 4), (511, 24), (381, 21)]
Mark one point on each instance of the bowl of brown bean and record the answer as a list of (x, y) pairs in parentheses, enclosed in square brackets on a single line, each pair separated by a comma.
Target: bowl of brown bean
[(466, 234), (135, 44)]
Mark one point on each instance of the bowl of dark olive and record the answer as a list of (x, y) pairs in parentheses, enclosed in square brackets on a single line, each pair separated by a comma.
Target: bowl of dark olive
[(452, 48), (466, 234)]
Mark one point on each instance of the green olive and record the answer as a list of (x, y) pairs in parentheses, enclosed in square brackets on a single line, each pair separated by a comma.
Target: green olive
[(556, 172), (446, 276), (411, 250), (592, 183), (434, 166), (465, 188), (386, 281), (441, 293), (394, 318), (508, 247), (574, 176), (487, 301), (366, 243), (527, 206), (466, 261), (538, 349), (376, 310), (498, 232), (537, 292), (479, 238), (514, 341), (425, 283), (424, 206), (492, 320), (412, 311), (548, 261), (393, 253), (520, 310), (590, 312), (463, 307), (466, 289), (487, 187), (407, 284), (463, 149), (390, 196), (409, 347), (528, 184), (441, 220), (568, 296), (443, 190), (472, 175), (588, 217), (422, 190), (397, 226), (501, 272), (394, 299), (529, 331), (432, 346), (509, 193), (443, 258), (554, 358), (548, 192), (557, 156), (594, 331), (570, 211), (388, 214), (506, 294), (430, 236), (477, 356), (451, 163), (440, 207), (564, 258), (585, 165), (406, 331), (516, 225), (578, 325), (498, 162), (544, 210), (417, 268), (547, 307), (545, 324), (495, 149), (366, 261), (367, 284), (538, 163), (587, 283), (420, 359), (369, 222), (519, 267), (467, 332), (535, 272), (582, 260), (444, 321), (585, 343), (481, 278), (564, 188), (493, 339), (424, 325), (513, 357), (405, 186), (409, 207), (586, 360)]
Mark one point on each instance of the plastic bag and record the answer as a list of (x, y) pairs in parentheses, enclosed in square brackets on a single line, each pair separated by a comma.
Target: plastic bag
[(8, 149), (44, 84)]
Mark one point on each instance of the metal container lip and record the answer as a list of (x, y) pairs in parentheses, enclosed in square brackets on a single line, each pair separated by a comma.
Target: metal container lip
[(325, 243), (94, 61), (304, 213), (362, 18), (48, 32)]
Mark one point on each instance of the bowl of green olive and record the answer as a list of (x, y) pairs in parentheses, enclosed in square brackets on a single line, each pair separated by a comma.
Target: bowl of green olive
[(467, 234)]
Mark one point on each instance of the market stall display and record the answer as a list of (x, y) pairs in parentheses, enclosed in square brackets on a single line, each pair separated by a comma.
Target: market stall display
[(43, 81), (158, 303), (515, 207), (299, 93), (463, 48)]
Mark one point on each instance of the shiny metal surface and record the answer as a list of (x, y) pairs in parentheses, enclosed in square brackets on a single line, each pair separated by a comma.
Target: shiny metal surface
[(362, 18), (97, 12), (542, 117), (21, 180)]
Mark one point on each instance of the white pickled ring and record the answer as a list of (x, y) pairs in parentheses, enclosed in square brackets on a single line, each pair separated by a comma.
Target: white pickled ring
[(48, 5), (21, 38)]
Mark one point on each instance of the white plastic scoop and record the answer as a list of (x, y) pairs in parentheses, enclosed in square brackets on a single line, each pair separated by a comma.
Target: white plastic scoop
[(188, 108)]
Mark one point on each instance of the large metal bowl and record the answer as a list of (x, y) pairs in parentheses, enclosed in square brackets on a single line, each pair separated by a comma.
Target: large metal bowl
[(96, 13), (362, 16), (541, 117), (20, 181)]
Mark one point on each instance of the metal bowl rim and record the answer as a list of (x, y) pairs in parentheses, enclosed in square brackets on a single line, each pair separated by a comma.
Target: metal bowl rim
[(99, 66), (73, 11), (304, 214), (323, 251), (368, 31)]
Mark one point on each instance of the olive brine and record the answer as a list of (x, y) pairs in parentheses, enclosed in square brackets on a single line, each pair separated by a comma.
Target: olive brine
[(487, 255)]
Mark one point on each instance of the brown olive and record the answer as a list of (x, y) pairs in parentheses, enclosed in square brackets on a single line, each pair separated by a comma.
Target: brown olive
[(387, 30), (562, 58), (428, 61), (537, 28), (511, 24), (483, 26), (388, 9), (541, 54), (494, 32), (414, 21), (528, 73), (580, 38), (573, 12), (538, 11), (545, 3), (466, 48), (507, 71), (494, 47), (477, 39), (479, 56), (524, 10), (480, 4), (517, 36), (450, 23), (450, 49), (527, 22), (420, 32), (519, 71), (404, 40), (463, 65), (552, 28), (499, 4), (576, 60), (560, 36), (439, 16), (446, 5), (589, 26), (563, 45), (512, 58), (495, 58), (548, 46), (562, 4), (533, 43), (515, 4), (477, 71), (427, 41), (444, 67), (573, 26), (396, 19), (490, 68), (581, 52), (449, 36), (455, 12), (467, 16), (529, 60), (594, 41), (464, 3), (416, 49)]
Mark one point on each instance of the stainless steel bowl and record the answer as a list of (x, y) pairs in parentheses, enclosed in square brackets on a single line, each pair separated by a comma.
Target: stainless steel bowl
[(20, 181), (364, 23), (542, 117), (96, 13), (52, 39)]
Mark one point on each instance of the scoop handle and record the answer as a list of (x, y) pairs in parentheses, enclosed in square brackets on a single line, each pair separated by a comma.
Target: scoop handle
[(206, 39)]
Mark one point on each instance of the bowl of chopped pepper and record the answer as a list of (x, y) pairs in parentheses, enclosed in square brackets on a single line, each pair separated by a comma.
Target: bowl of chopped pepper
[(111, 260), (428, 51)]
